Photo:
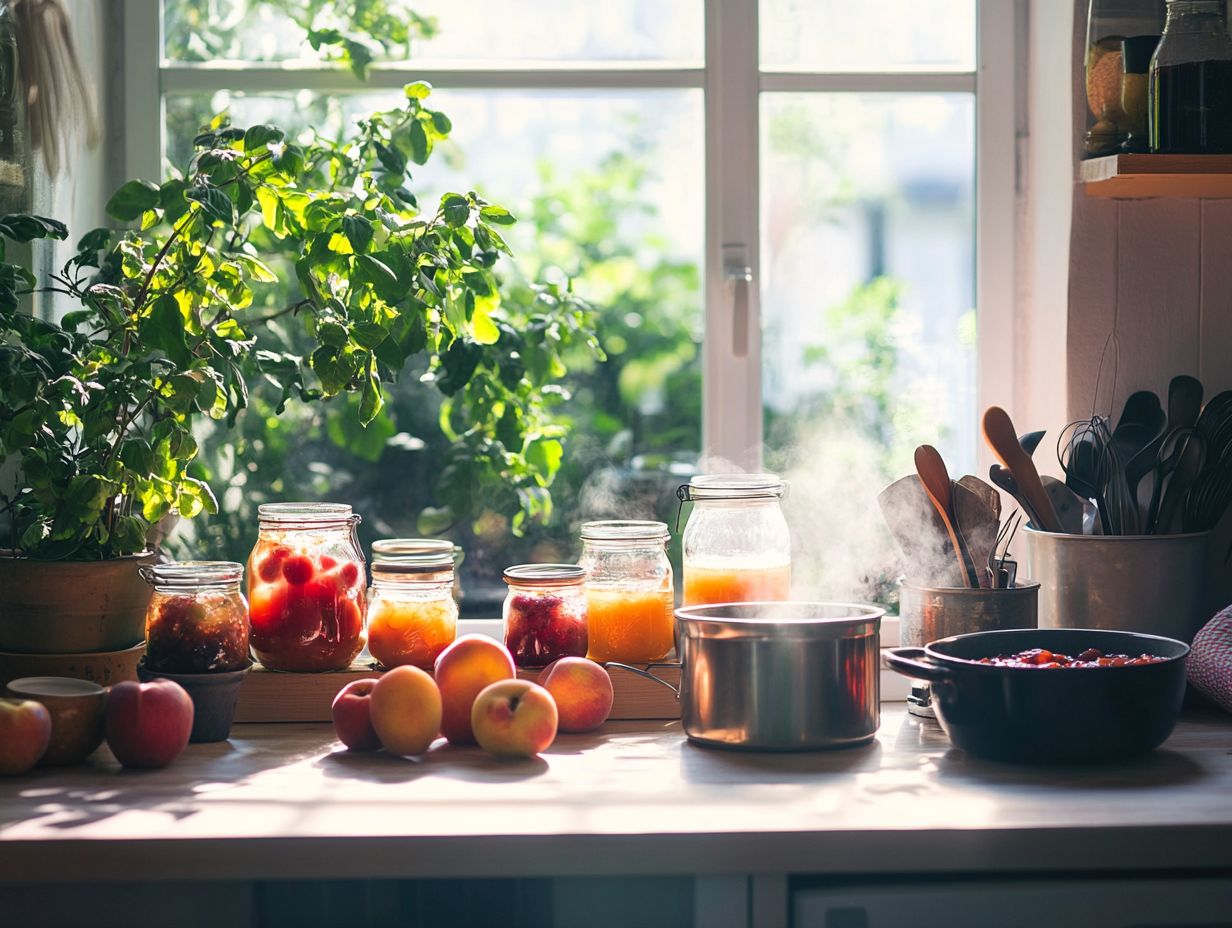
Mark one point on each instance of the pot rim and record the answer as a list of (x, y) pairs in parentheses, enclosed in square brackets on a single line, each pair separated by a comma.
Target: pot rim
[(6, 554), (1192, 536), (711, 623), (950, 660)]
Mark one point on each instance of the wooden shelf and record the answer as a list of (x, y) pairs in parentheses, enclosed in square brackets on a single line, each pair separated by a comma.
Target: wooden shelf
[(1135, 177)]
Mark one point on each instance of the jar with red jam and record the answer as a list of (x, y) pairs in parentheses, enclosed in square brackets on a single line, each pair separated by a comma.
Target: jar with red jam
[(412, 615), (306, 584), (545, 613), (197, 620)]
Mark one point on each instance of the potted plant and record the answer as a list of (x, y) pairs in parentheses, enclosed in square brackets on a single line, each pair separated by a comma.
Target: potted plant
[(170, 323)]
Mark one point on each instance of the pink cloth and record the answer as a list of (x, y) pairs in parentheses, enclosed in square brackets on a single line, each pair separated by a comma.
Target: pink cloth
[(1210, 661)]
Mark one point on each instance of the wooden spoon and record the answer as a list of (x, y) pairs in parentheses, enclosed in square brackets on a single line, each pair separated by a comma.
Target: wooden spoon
[(936, 480), (1001, 437)]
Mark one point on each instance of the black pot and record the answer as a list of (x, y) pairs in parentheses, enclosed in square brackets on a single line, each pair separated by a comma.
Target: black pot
[(214, 696), (1059, 715)]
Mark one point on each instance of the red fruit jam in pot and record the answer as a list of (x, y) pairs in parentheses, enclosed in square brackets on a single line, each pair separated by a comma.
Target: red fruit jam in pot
[(306, 583), (1091, 657), (197, 620), (545, 613)]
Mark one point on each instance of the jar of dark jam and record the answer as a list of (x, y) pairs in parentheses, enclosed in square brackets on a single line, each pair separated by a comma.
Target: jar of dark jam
[(1190, 90), (197, 621), (545, 613)]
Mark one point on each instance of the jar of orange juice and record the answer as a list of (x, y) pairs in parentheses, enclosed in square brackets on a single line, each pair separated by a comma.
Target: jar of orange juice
[(736, 544), (629, 591), (412, 614)]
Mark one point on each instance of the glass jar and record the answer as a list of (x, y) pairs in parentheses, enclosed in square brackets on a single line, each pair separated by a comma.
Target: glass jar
[(306, 587), (629, 593), (545, 613), (1191, 81), (412, 615), (197, 620), (1109, 23), (403, 547), (736, 545)]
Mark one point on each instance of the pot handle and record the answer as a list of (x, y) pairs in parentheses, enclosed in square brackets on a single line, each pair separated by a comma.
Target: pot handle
[(646, 673), (915, 663), (147, 573)]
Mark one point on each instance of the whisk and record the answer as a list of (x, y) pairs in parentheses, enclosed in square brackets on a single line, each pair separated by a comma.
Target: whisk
[(1094, 469)]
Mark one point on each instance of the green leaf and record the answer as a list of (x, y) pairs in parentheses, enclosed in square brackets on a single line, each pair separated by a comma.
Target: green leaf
[(418, 90), (391, 159), (458, 363), (333, 334), (358, 230), (214, 202), (545, 455), (128, 535), (132, 199), (259, 136), (371, 400), (455, 209), (164, 328), (498, 215), (441, 123), (420, 146), (483, 328), (369, 334)]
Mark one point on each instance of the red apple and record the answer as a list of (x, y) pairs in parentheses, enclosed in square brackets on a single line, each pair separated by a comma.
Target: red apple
[(148, 724), (25, 732), (462, 670), (406, 710), (514, 718), (352, 716), (582, 690)]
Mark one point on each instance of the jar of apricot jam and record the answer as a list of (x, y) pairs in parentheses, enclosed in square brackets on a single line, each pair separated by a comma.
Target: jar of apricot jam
[(197, 620), (545, 613), (306, 584), (629, 591), (412, 615)]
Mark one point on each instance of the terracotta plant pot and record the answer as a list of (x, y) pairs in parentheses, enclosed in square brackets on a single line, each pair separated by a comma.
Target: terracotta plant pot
[(72, 607), (214, 696), (106, 668)]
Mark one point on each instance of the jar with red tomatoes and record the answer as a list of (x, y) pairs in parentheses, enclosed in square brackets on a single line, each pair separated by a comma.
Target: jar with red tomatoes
[(306, 583)]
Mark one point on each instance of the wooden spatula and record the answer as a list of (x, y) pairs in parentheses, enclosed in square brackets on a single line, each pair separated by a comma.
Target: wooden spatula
[(936, 480), (920, 534), (1001, 437)]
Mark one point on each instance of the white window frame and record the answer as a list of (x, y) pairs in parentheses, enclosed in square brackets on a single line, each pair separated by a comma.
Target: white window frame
[(732, 84)]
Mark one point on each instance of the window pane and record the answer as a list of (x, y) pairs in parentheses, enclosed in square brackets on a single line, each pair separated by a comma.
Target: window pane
[(868, 35), (608, 189), (867, 303), (520, 31)]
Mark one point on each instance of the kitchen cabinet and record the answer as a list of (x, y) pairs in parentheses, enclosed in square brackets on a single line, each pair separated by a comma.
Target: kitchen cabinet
[(747, 835)]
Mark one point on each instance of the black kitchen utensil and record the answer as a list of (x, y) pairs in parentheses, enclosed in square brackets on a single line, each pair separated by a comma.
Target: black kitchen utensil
[(1030, 441), (1143, 422), (1038, 715), (1184, 405)]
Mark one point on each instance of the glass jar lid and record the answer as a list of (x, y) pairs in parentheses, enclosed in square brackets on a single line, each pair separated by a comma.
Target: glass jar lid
[(733, 486), (387, 548), (188, 576), (305, 515), (544, 575), (629, 531)]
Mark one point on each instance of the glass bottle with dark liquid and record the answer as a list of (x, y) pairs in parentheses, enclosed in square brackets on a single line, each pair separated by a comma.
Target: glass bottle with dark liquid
[(1191, 81)]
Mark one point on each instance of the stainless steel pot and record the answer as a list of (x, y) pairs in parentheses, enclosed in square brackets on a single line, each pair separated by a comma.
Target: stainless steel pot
[(781, 676)]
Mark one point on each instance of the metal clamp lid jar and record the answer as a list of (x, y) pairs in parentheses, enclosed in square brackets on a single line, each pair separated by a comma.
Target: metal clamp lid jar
[(197, 620), (630, 593), (545, 613), (412, 615), (737, 547), (306, 587)]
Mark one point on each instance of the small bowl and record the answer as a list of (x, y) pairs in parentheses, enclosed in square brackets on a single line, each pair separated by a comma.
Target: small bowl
[(214, 697), (76, 709)]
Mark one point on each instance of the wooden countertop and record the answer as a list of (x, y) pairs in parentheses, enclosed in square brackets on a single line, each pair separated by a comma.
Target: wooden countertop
[(282, 801)]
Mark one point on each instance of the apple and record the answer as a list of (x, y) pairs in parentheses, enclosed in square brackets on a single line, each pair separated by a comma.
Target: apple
[(148, 724), (352, 716), (582, 690), (514, 718), (462, 670), (25, 732), (405, 707)]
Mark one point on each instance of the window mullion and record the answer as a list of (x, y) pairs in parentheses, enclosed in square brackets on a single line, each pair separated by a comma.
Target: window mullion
[(731, 401), (143, 105)]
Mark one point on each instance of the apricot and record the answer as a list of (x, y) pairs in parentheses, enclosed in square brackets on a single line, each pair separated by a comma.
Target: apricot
[(514, 718), (462, 670), (582, 690), (405, 708)]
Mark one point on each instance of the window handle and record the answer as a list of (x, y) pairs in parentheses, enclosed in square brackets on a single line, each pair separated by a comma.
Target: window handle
[(739, 276)]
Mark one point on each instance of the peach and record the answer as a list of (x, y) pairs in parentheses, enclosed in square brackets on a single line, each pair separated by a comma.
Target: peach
[(25, 732), (405, 707), (514, 718), (148, 724), (462, 670), (582, 690), (352, 716)]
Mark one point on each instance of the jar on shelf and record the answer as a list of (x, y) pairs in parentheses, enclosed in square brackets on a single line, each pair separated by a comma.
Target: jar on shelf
[(1109, 23), (412, 615), (736, 544), (306, 587), (545, 613), (197, 620), (1190, 83), (630, 599)]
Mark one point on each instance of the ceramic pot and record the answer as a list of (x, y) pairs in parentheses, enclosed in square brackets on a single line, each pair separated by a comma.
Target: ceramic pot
[(72, 607), (214, 697), (106, 668), (76, 708)]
